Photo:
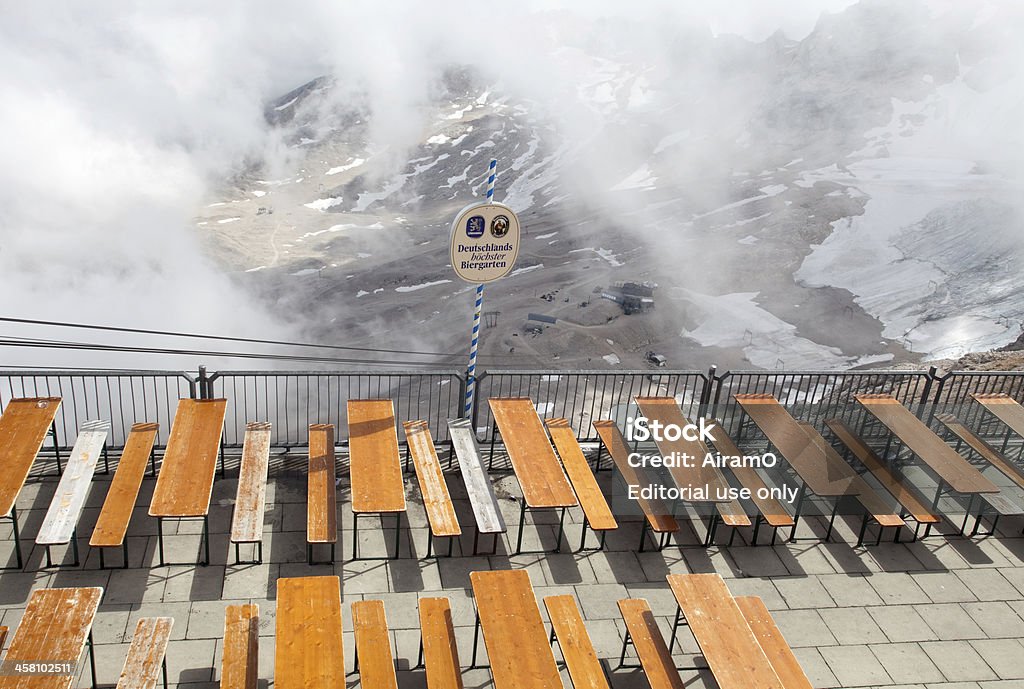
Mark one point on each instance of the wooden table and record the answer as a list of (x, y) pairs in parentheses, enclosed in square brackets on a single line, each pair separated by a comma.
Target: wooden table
[(185, 482), (55, 628), (23, 429), (374, 465), (1004, 407), (951, 468), (534, 462), (309, 653), (517, 643), (729, 646)]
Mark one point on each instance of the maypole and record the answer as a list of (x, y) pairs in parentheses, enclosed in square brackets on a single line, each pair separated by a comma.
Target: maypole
[(474, 341)]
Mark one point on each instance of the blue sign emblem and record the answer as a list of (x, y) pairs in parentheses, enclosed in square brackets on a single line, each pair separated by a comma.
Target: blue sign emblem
[(475, 226)]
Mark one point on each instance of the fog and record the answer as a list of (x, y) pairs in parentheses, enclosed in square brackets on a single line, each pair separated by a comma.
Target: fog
[(120, 120)]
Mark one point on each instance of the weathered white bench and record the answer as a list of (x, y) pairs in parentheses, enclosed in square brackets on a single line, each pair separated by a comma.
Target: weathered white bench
[(251, 499), (60, 525), (437, 502), (240, 667), (147, 655), (478, 486)]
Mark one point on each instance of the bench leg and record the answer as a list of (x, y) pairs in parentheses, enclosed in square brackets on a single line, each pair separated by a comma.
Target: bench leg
[(355, 536), (257, 554), (709, 538), (522, 524), (796, 515), (832, 519), (597, 460), (106, 459), (627, 641), (19, 563), (583, 538), (494, 436), (223, 470), (92, 659), (163, 670), (476, 643), (206, 540), (160, 539), (476, 540), (863, 529), (56, 447), (124, 551)]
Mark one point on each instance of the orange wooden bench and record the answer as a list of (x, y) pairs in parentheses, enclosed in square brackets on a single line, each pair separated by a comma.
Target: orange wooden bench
[(374, 660), (23, 429), (657, 517), (597, 516), (913, 505), (321, 491), (3, 637), (654, 655), (111, 528), (240, 665), (437, 501), (774, 645), (378, 486), (568, 629), (251, 497), (147, 654), (439, 653), (769, 510)]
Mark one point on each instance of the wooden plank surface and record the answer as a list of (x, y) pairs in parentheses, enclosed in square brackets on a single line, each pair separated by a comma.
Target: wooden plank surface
[(112, 524), (54, 628), (879, 509), (649, 644), (142, 666), (987, 452), (658, 515), (772, 510), (667, 411), (436, 500), (3, 637), (540, 476), (373, 645), (910, 499), (23, 428), (69, 498), (517, 643), (1004, 407), (440, 650), (251, 498), (185, 482), (482, 499), (322, 492), (726, 640), (588, 492), (929, 448), (774, 645), (376, 470), (818, 469), (574, 641), (308, 649), (240, 665)]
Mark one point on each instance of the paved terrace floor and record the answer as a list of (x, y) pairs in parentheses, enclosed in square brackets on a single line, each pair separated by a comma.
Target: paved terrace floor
[(939, 613)]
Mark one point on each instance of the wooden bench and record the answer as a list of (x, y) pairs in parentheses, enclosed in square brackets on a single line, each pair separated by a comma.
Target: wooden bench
[(3, 637), (378, 486), (774, 645), (913, 505), (486, 510), (321, 491), (309, 652), (568, 629), (251, 498), (240, 665), (1004, 408), (998, 504), (111, 528), (437, 502), (597, 516), (147, 654), (374, 661), (770, 511), (439, 653), (876, 509), (654, 655), (657, 516), (60, 525)]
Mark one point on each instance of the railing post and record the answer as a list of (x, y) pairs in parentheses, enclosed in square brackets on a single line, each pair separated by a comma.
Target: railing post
[(204, 382), (705, 393)]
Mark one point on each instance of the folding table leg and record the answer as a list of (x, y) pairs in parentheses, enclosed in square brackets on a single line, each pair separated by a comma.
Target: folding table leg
[(160, 538), (796, 515), (476, 642), (92, 659), (56, 446), (19, 563)]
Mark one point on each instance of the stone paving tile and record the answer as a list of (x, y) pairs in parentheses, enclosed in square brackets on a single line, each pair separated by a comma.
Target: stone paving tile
[(854, 666), (906, 663), (850, 590), (1004, 656), (803, 628), (896, 588), (763, 588), (958, 661), (817, 670), (943, 587), (902, 623), (803, 592), (949, 621), (996, 619), (851, 626), (988, 584)]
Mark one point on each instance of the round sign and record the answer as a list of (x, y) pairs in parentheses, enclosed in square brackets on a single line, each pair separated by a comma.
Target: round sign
[(485, 242)]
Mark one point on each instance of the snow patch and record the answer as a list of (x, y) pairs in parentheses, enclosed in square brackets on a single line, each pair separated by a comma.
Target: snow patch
[(424, 285)]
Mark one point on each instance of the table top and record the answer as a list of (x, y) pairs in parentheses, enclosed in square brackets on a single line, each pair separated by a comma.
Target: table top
[(537, 468), (308, 652), (930, 448), (185, 482), (820, 467), (728, 644), (1004, 407), (667, 411), (513, 631), (374, 461), (54, 628), (23, 429)]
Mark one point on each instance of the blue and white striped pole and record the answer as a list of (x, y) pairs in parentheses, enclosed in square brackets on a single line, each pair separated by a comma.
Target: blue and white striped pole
[(492, 175)]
